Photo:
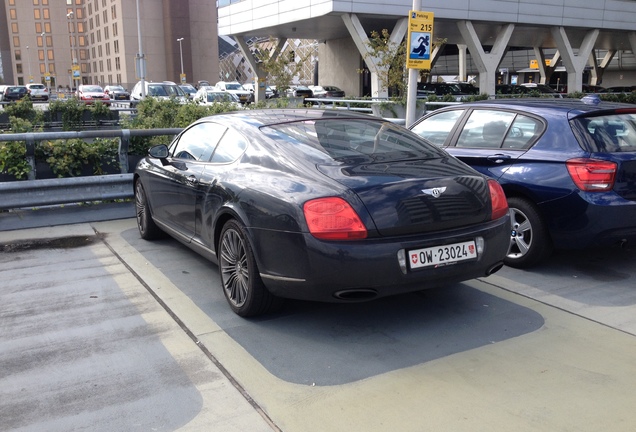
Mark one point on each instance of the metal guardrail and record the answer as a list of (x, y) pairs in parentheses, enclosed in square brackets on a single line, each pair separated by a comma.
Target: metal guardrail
[(37, 193), (42, 192)]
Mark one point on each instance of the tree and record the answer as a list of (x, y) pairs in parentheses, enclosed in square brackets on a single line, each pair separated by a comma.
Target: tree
[(391, 61), (280, 69)]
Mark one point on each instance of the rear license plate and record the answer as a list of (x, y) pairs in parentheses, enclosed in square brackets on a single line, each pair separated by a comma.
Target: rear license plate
[(442, 255)]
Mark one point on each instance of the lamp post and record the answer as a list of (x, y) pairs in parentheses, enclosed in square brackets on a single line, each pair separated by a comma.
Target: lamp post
[(46, 65), (141, 65), (181, 77), (29, 61), (71, 32)]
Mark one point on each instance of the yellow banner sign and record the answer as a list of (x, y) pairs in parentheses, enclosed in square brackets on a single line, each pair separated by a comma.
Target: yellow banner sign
[(420, 40)]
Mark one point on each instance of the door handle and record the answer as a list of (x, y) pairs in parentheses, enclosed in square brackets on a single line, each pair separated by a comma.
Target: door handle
[(191, 180), (498, 158)]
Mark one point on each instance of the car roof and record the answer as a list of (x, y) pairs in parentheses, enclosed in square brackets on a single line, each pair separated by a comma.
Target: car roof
[(266, 117), (573, 107)]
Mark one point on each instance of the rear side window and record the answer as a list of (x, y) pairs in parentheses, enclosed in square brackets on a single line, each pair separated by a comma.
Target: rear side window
[(499, 129), (437, 127), (608, 134)]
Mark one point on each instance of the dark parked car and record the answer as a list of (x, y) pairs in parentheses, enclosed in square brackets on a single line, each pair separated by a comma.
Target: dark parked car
[(15, 93), (316, 205), (117, 92), (443, 89), (327, 92), (619, 89), (568, 167), (527, 90), (301, 91)]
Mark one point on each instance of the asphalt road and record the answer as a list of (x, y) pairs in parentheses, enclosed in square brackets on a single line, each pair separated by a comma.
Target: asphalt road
[(104, 331)]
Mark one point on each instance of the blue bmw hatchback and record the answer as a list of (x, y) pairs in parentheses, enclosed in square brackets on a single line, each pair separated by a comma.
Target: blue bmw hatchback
[(568, 167)]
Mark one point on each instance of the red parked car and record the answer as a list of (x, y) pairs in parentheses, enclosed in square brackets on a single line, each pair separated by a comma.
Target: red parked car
[(92, 93)]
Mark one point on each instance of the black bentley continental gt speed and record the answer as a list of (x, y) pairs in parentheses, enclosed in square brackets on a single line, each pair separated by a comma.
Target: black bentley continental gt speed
[(320, 205)]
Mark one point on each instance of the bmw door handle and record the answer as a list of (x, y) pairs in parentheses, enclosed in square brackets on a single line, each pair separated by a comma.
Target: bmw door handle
[(191, 180), (498, 158)]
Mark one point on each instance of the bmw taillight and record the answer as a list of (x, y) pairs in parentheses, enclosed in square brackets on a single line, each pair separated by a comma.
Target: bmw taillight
[(592, 175), (497, 199), (333, 218)]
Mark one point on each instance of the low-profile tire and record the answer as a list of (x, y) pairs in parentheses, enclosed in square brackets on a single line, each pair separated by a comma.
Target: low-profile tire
[(242, 285), (148, 229), (530, 241)]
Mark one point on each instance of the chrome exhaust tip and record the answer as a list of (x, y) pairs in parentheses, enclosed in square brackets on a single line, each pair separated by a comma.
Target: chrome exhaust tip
[(355, 294)]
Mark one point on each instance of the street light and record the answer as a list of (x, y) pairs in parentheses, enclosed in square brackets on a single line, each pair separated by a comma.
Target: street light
[(29, 60), (181, 55), (71, 31), (46, 65), (141, 60)]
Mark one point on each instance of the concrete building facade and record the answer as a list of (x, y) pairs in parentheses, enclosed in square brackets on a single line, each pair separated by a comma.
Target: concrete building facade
[(68, 42), (585, 38)]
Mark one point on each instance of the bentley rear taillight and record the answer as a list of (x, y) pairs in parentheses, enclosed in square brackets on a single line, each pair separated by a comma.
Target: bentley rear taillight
[(333, 218), (497, 199), (592, 175)]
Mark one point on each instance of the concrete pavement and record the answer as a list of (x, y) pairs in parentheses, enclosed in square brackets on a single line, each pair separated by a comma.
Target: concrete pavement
[(99, 328), (84, 345)]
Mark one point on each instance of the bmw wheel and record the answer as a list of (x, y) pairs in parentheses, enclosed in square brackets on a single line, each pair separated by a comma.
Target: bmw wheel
[(147, 227), (242, 284), (529, 238)]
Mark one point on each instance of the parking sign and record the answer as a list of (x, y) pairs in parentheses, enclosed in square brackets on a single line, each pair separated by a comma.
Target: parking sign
[(420, 39)]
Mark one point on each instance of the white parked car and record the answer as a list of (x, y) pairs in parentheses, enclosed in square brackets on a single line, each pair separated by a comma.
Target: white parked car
[(269, 92), (244, 96), (38, 91), (209, 95), (159, 90)]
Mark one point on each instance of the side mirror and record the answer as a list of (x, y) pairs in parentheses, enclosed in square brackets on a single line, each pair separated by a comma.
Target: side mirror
[(159, 151)]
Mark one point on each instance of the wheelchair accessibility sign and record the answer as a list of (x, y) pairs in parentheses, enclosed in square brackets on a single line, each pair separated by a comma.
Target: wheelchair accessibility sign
[(420, 39)]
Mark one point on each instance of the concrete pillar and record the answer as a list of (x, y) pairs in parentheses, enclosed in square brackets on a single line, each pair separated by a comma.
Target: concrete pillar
[(544, 70), (487, 63), (260, 75), (360, 39), (596, 75), (574, 63), (461, 74)]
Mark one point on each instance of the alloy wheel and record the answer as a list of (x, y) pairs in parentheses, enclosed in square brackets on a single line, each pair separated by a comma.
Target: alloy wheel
[(234, 268)]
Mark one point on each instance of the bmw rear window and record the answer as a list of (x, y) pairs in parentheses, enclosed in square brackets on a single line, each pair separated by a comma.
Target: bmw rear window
[(608, 133), (341, 139)]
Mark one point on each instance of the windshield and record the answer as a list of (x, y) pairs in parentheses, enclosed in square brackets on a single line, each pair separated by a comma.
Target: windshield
[(165, 90), (234, 87), (341, 139), (94, 89), (220, 97)]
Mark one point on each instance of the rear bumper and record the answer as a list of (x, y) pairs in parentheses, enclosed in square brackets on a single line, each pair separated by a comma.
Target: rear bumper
[(295, 265), (591, 219)]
